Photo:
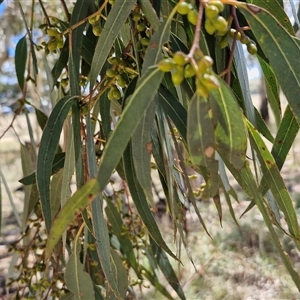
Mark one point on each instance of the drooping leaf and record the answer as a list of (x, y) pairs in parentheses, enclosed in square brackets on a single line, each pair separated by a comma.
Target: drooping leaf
[(20, 60), (113, 24), (280, 48), (167, 269), (230, 131), (100, 229), (27, 168), (141, 203), (120, 273), (41, 118), (275, 8), (285, 137), (49, 142), (202, 144), (174, 110), (275, 182), (81, 199), (272, 89)]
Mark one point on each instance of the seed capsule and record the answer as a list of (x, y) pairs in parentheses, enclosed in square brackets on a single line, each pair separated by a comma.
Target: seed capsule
[(211, 11), (145, 41), (177, 76), (251, 48), (113, 60), (220, 24), (180, 58), (110, 73), (244, 39), (209, 27), (205, 63), (218, 4), (141, 27), (166, 65), (184, 8), (193, 17), (188, 71), (97, 30)]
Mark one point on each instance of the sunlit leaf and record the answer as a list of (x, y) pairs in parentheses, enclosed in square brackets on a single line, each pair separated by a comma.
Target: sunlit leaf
[(281, 50), (81, 199)]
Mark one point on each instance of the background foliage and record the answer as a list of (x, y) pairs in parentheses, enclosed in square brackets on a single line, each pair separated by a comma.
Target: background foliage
[(142, 87)]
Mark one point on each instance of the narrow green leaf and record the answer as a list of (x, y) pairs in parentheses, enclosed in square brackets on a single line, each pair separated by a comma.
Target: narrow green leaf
[(58, 163), (243, 82), (20, 60), (55, 191), (142, 148), (174, 110), (167, 269), (99, 222), (120, 273), (81, 199), (154, 51), (282, 55), (272, 89), (201, 142), (27, 168), (80, 11), (276, 9), (150, 13), (200, 132), (49, 142), (41, 118), (262, 127), (115, 20), (119, 138), (285, 137), (141, 203), (275, 182), (78, 281), (230, 129)]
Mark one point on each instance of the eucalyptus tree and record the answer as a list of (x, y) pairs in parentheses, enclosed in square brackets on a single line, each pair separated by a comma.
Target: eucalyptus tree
[(148, 85)]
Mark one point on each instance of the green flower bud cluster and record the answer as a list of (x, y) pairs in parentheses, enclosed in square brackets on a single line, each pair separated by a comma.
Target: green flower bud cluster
[(117, 75), (95, 22), (181, 68), (185, 8), (56, 40), (215, 23)]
